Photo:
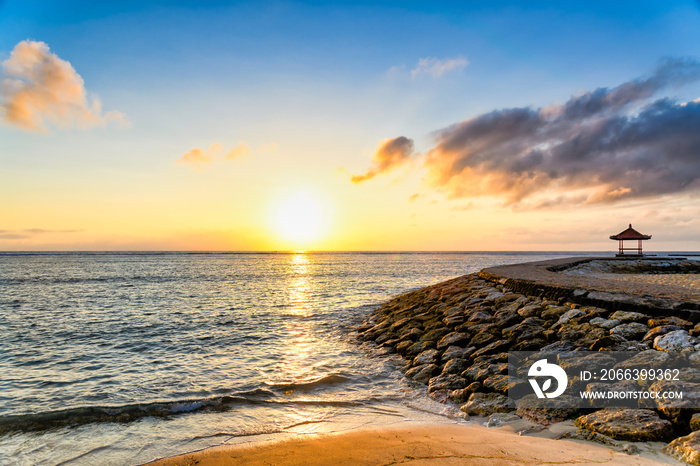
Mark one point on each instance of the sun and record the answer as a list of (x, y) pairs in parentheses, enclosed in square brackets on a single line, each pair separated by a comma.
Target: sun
[(299, 218)]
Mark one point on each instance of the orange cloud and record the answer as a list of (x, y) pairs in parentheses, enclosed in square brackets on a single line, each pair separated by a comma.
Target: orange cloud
[(198, 158), (390, 153), (39, 87), (240, 150)]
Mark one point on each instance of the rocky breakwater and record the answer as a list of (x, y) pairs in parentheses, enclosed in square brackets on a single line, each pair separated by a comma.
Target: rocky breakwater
[(455, 338)]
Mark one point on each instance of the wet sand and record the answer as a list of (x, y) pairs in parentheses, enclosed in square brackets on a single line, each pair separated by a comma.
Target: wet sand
[(426, 444)]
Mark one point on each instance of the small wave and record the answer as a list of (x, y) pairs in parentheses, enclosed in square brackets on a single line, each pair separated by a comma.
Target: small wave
[(126, 413), (310, 384)]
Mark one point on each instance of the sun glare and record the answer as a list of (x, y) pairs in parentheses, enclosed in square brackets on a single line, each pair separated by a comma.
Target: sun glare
[(299, 218)]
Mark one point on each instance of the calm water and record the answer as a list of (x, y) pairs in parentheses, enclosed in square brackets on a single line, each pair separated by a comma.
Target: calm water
[(122, 358)]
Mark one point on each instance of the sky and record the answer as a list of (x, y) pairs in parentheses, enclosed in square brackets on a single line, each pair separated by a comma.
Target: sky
[(373, 126)]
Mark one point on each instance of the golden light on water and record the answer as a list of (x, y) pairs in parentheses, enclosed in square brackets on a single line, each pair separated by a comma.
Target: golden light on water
[(299, 289)]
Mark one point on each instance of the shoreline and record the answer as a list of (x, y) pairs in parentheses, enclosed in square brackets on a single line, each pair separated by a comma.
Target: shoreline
[(443, 444), (444, 331)]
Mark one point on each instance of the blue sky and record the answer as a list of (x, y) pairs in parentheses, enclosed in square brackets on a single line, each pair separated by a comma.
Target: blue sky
[(316, 87)]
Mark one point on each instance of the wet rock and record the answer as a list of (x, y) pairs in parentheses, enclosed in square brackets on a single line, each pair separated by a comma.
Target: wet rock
[(441, 395), (498, 419), (547, 411), (582, 335), (479, 316), (482, 339), (604, 323), (491, 348), (418, 347), (558, 347), (435, 334), (686, 449), (446, 382), (632, 346), (456, 366), (506, 298), (506, 318), (626, 316), (637, 425), (554, 312), (474, 387), (485, 404), (423, 374), (460, 395), (457, 352), (413, 333), (659, 331), (453, 321), (508, 385), (402, 347), (427, 357), (530, 310), (390, 345), (605, 343), (454, 338), (384, 338), (672, 320), (630, 331), (675, 341), (529, 345), (568, 316), (533, 320), (492, 358), (695, 422), (523, 331), (400, 323), (480, 371)]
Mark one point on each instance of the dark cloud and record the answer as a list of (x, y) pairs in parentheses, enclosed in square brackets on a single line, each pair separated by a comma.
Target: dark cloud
[(609, 143), (390, 153)]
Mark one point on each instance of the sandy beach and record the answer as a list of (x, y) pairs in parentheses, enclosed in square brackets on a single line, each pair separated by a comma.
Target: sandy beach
[(423, 444)]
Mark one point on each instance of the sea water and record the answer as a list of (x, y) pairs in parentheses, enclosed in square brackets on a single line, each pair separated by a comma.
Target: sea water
[(120, 358)]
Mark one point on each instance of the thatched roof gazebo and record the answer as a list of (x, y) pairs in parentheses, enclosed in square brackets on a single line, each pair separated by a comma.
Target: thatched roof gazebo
[(630, 234)]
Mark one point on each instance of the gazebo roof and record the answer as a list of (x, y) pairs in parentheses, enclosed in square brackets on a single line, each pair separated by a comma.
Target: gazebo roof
[(630, 233)]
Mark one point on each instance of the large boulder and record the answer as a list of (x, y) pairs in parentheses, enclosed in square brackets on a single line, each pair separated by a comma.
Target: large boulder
[(454, 338), (630, 331), (446, 382), (430, 356), (637, 425), (675, 341), (423, 374), (548, 411), (627, 316), (686, 449), (485, 404)]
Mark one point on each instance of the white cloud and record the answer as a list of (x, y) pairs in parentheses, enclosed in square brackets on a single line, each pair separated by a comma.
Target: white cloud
[(39, 87), (435, 67)]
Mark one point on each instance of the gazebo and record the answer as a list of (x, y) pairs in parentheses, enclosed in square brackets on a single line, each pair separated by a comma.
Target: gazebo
[(630, 234)]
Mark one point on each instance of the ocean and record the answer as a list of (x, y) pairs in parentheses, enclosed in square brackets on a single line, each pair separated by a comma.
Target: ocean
[(121, 358)]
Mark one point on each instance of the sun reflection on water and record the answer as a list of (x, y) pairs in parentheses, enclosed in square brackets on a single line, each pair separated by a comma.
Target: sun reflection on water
[(299, 287), (299, 347)]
